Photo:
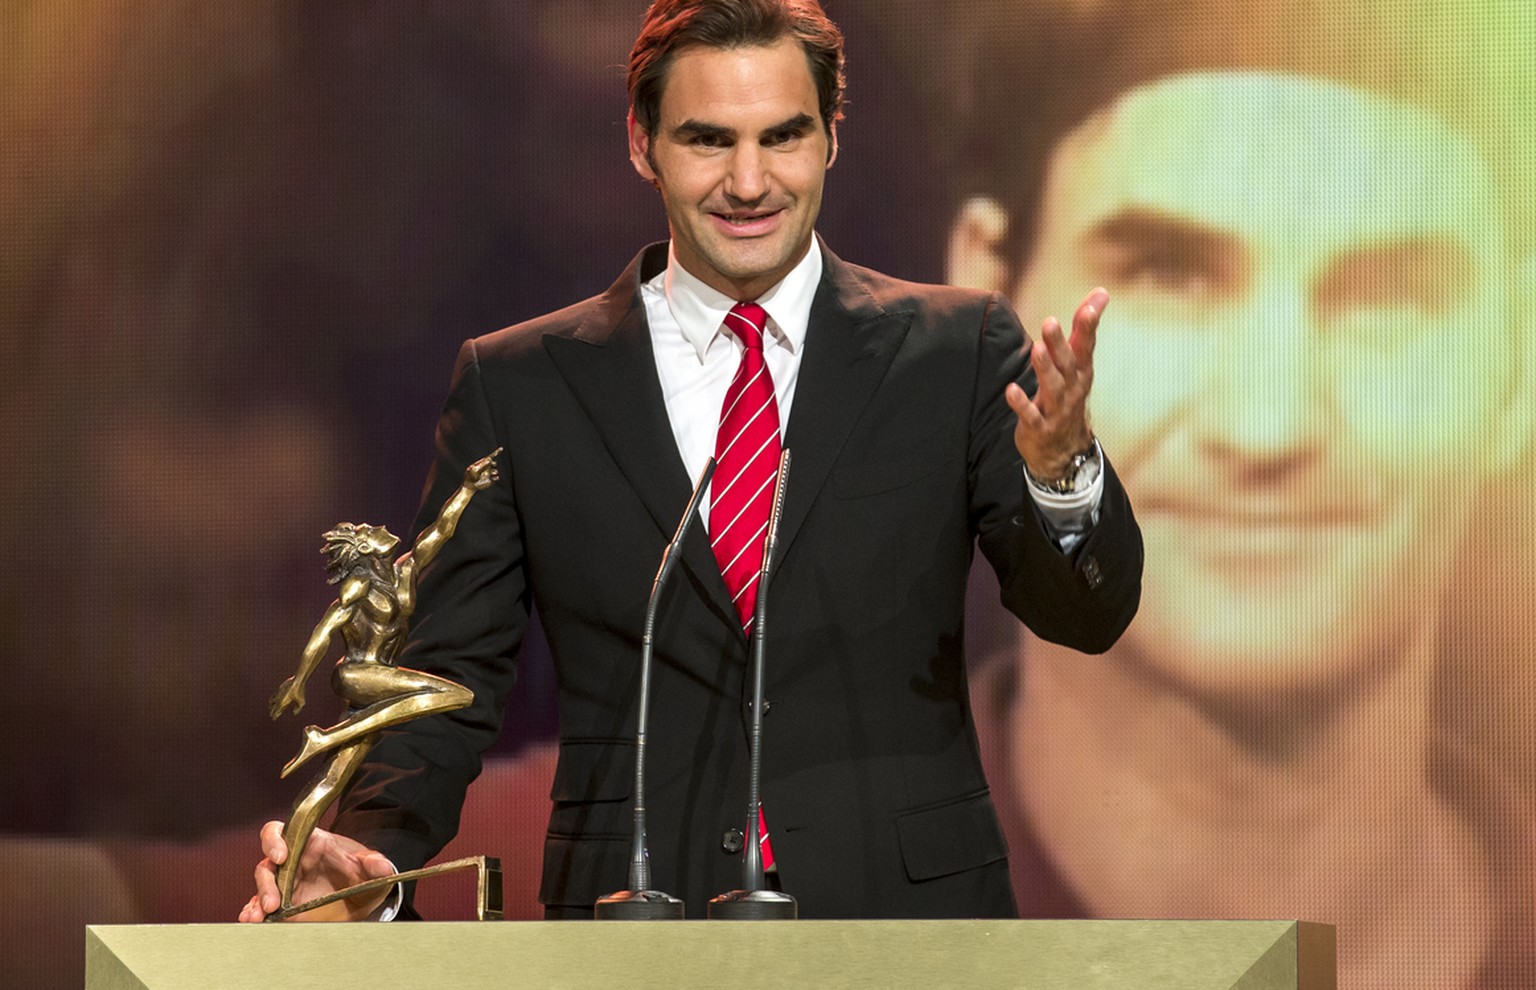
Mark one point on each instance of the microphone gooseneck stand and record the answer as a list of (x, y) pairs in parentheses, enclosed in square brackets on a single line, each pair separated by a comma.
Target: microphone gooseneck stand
[(640, 902), (754, 901)]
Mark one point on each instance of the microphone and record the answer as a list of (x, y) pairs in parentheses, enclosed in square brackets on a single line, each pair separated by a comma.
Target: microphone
[(754, 901), (640, 902)]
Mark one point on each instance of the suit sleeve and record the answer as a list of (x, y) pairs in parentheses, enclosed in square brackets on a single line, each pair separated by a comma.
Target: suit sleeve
[(1083, 599), (471, 612)]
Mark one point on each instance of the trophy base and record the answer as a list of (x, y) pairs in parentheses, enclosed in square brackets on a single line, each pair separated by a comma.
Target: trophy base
[(638, 905), (488, 902), (753, 905)]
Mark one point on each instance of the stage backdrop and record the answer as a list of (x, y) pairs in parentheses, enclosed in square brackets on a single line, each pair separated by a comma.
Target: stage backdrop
[(242, 243)]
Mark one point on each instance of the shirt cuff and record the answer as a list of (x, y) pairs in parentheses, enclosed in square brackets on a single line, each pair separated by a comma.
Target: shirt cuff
[(390, 909), (1069, 517)]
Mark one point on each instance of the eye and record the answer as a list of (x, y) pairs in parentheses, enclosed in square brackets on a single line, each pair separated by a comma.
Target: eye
[(1166, 257), (1164, 268)]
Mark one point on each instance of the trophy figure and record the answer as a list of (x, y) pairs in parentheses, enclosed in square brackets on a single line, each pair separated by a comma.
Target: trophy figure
[(371, 612)]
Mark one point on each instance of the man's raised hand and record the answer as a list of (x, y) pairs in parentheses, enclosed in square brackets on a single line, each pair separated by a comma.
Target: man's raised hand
[(1053, 426)]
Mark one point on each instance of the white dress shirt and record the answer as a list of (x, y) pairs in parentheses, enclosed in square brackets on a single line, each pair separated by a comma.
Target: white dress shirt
[(696, 357)]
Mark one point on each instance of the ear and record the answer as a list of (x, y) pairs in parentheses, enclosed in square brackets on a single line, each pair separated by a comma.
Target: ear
[(639, 148), (1513, 433), (832, 150), (975, 259)]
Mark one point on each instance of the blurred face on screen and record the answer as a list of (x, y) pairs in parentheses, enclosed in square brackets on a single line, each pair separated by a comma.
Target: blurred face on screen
[(740, 156), (1304, 372)]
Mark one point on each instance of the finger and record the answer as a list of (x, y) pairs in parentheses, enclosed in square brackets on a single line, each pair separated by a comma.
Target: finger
[(252, 911), (376, 864), (1058, 348), (1085, 322), (1051, 385), (272, 844), (267, 897), (1016, 398), (1026, 411)]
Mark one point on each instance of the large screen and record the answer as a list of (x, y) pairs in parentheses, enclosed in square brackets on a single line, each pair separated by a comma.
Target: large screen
[(243, 243)]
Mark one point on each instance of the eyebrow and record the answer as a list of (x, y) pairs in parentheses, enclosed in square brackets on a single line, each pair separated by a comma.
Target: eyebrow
[(698, 128), (1431, 271), (799, 122), (1140, 225)]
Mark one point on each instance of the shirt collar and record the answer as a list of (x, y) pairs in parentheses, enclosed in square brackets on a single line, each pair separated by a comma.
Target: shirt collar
[(700, 309)]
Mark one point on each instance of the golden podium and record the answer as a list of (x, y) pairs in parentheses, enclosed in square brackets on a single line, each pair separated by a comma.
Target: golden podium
[(1019, 955)]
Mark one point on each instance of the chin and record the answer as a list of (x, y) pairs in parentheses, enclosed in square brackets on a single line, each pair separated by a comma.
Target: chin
[(752, 259), (1254, 671), (1263, 686)]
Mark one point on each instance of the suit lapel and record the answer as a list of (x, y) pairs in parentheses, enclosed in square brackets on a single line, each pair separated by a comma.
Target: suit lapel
[(849, 347), (609, 365)]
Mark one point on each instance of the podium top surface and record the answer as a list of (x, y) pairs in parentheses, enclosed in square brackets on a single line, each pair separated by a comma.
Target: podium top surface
[(1083, 955)]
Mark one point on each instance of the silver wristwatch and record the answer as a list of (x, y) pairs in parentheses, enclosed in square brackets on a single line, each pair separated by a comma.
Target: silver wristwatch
[(1081, 472)]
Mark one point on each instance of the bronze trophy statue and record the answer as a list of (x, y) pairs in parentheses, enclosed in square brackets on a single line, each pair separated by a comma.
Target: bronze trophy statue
[(371, 613)]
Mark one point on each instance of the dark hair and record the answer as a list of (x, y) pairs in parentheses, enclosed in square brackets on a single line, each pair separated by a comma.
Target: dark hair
[(672, 25), (1011, 106)]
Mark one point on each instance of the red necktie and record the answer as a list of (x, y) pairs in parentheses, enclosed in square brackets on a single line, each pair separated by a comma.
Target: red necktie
[(746, 464), (746, 470)]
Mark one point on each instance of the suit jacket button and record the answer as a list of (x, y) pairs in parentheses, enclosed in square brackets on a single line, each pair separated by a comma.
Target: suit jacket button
[(1091, 572), (731, 841)]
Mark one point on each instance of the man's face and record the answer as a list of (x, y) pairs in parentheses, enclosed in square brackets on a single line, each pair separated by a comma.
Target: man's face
[(740, 156), (1302, 370)]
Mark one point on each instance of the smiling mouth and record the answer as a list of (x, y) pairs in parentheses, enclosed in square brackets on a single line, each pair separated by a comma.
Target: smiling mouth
[(747, 221), (1259, 548), (1261, 515)]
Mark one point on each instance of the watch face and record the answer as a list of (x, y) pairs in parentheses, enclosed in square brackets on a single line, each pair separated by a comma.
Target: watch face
[(1071, 482), (1081, 472), (1067, 483)]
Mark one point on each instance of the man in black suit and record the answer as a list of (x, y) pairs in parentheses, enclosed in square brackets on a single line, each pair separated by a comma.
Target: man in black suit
[(909, 410)]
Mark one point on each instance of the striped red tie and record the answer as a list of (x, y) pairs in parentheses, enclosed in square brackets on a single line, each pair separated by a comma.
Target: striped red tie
[(746, 469), (746, 464)]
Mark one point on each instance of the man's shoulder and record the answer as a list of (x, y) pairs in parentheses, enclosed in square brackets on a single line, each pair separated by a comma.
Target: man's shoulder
[(591, 319), (895, 294), (512, 341)]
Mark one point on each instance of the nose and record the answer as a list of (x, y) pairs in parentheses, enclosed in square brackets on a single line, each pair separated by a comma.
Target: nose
[(1267, 401), (747, 179)]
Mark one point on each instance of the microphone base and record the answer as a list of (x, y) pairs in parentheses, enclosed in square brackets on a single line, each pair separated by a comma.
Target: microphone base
[(638, 905), (753, 905)]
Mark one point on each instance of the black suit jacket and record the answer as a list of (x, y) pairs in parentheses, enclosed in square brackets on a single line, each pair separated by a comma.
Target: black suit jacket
[(903, 463)]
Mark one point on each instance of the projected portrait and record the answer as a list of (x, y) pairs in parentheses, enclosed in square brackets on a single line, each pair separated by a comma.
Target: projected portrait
[(1315, 374)]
